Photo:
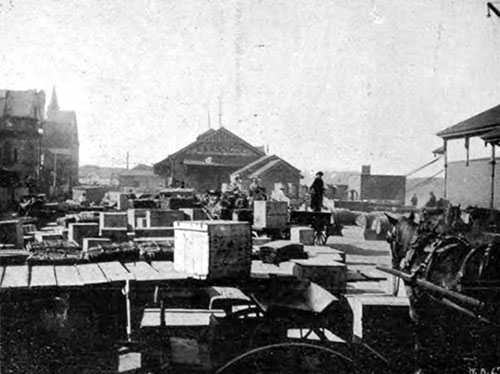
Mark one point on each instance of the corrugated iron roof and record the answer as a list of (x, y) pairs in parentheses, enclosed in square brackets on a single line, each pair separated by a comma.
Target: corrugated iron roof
[(474, 126)]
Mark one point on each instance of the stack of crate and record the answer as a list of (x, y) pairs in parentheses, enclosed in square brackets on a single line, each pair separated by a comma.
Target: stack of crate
[(159, 223), (270, 214), (81, 230), (213, 249)]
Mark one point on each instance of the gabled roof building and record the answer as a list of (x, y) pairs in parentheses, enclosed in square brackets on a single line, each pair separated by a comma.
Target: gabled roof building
[(214, 157)]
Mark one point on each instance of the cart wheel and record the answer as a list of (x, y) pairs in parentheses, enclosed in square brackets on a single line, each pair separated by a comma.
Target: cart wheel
[(320, 237), (290, 358)]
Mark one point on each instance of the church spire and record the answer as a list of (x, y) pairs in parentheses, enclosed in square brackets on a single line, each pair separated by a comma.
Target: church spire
[(54, 105)]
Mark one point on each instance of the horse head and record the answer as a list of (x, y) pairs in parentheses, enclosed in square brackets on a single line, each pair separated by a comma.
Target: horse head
[(400, 236)]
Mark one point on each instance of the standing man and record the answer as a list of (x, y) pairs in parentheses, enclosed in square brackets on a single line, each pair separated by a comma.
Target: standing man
[(414, 200), (316, 191)]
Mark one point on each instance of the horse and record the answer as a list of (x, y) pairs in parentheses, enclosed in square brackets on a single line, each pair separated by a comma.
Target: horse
[(435, 250)]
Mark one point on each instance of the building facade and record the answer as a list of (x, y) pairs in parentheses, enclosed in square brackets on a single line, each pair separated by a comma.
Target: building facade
[(208, 162), (60, 149), (21, 116)]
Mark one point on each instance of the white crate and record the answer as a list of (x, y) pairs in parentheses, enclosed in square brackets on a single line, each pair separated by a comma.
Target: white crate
[(213, 249), (303, 235)]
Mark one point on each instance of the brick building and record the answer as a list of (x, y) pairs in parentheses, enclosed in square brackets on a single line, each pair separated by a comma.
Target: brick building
[(21, 116)]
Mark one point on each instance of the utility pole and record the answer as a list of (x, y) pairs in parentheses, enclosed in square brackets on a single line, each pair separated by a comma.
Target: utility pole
[(127, 159), (220, 111)]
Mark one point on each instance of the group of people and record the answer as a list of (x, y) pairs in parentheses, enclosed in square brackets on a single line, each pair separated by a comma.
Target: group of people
[(432, 202)]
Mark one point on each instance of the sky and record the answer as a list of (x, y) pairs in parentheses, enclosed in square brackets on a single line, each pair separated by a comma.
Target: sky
[(325, 84)]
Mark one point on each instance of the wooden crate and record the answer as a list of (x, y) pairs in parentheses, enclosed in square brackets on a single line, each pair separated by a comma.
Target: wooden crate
[(327, 273), (79, 231), (213, 249), (115, 234), (194, 214), (163, 217), (113, 220), (134, 215), (41, 236), (154, 232), (191, 334), (11, 232), (304, 235), (383, 322), (270, 214)]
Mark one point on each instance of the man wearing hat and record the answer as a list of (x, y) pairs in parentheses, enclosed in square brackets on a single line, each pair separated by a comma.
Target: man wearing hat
[(316, 191)]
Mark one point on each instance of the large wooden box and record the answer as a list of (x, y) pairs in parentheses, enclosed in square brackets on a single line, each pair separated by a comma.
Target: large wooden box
[(270, 214), (113, 220), (163, 217), (323, 271), (79, 231), (383, 322), (11, 232), (213, 249)]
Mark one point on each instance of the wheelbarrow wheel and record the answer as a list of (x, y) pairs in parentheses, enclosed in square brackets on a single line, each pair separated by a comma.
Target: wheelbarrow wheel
[(320, 237), (290, 358)]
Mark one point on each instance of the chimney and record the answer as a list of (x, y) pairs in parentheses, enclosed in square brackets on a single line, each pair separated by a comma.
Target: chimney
[(365, 170)]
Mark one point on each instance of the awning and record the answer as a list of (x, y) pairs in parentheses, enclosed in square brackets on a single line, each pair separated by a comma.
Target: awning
[(474, 126), (438, 151), (492, 137)]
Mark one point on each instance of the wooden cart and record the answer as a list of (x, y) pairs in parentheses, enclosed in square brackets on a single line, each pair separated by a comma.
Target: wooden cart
[(321, 222)]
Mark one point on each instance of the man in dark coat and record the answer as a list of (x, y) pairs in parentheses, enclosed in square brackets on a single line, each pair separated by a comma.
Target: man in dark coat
[(316, 192)]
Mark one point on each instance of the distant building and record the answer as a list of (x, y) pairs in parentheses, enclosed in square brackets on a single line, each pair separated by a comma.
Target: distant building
[(141, 178), (382, 187), (208, 162), (21, 116), (60, 147)]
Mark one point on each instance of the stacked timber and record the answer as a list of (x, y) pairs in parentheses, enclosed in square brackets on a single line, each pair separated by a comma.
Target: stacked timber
[(113, 252), (213, 249), (54, 252)]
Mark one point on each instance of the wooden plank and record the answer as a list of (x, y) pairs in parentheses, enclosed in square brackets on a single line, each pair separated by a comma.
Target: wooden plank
[(166, 270), (179, 317), (260, 268), (67, 275), (115, 272), (143, 271), (91, 274), (15, 276), (43, 276)]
